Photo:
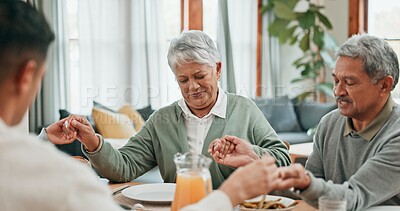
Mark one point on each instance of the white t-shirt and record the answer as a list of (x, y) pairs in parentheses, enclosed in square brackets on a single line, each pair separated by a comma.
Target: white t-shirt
[(36, 176)]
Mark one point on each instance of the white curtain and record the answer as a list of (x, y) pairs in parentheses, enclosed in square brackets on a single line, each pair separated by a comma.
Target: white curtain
[(271, 77), (122, 59), (239, 36), (104, 45), (51, 97), (148, 58)]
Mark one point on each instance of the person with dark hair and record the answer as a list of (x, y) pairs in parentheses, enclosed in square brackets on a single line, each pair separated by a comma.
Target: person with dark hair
[(34, 175)]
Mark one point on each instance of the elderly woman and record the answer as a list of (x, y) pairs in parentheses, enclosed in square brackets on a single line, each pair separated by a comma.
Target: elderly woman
[(204, 114)]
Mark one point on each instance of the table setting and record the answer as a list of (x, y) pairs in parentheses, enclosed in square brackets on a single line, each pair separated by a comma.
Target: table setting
[(124, 194)]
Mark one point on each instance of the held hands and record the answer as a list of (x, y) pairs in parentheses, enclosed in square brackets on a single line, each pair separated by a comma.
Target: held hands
[(236, 152), (73, 127), (57, 133), (232, 151), (293, 176), (259, 177)]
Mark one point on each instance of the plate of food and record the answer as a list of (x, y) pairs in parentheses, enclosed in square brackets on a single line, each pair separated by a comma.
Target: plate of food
[(156, 193), (268, 203)]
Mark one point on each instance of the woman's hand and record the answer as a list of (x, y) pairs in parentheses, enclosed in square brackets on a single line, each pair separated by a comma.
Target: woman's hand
[(232, 151), (80, 126)]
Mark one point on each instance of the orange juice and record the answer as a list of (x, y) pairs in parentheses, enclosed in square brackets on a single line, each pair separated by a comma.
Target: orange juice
[(190, 188)]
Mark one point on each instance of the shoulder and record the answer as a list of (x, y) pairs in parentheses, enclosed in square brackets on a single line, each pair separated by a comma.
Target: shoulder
[(169, 111), (332, 117), (24, 149), (235, 100), (31, 165)]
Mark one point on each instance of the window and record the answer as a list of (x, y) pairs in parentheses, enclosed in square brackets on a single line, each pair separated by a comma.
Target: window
[(172, 29), (73, 86), (384, 21), (172, 18)]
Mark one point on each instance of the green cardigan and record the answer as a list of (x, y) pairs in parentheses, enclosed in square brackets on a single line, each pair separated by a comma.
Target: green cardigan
[(163, 135)]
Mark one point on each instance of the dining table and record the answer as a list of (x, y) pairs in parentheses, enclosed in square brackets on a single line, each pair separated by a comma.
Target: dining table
[(119, 198)]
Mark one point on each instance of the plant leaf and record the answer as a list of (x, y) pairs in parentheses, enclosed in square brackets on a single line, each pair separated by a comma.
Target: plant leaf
[(299, 62), (283, 11), (291, 3), (276, 27), (293, 40), (324, 20), (305, 43), (315, 8), (286, 34), (318, 38), (264, 9), (307, 20)]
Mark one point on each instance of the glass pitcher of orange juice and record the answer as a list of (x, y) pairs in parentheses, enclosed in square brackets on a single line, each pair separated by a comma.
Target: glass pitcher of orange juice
[(193, 180)]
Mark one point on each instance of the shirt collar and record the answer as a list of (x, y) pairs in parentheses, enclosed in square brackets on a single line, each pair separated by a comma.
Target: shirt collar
[(369, 132), (219, 109)]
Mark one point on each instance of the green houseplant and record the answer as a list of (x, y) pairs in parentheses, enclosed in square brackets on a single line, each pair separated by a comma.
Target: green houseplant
[(305, 27)]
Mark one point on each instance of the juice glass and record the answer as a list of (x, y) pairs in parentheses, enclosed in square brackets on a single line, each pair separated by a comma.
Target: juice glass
[(193, 180)]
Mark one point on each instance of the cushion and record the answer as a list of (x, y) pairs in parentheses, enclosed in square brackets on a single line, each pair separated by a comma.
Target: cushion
[(146, 112), (111, 124), (133, 115), (279, 113), (295, 137), (99, 105), (310, 113)]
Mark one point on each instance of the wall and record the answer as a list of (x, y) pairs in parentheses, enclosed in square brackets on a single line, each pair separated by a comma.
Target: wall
[(337, 12)]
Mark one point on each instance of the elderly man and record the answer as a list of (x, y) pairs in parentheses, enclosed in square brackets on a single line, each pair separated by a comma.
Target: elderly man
[(356, 147)]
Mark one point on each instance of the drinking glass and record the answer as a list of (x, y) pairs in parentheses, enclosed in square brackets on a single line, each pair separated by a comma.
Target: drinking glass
[(326, 203)]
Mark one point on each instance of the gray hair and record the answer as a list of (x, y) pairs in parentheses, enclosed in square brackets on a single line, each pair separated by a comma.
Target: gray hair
[(192, 47), (378, 58)]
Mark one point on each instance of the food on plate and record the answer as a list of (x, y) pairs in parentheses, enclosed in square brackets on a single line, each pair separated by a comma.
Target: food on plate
[(268, 204)]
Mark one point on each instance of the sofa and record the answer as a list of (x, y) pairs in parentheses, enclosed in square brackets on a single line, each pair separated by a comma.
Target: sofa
[(294, 122)]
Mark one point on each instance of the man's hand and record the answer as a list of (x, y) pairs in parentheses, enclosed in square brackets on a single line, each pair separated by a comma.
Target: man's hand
[(232, 151), (293, 176), (57, 133), (84, 131), (259, 177)]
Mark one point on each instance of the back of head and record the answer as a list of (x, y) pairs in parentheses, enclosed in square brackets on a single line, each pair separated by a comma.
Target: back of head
[(378, 58), (24, 35), (192, 47)]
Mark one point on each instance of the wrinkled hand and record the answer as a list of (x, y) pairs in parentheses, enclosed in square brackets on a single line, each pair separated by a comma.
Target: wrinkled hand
[(254, 179), (84, 131), (57, 133), (219, 148), (293, 176), (232, 151)]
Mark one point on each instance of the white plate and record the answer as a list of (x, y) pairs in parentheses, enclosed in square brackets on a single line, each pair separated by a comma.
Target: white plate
[(285, 201), (157, 192)]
